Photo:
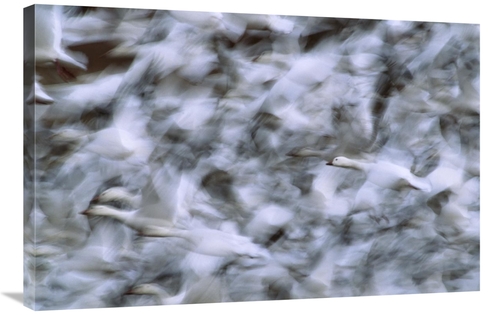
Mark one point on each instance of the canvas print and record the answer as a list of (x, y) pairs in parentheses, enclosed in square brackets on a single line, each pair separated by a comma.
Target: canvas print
[(180, 157)]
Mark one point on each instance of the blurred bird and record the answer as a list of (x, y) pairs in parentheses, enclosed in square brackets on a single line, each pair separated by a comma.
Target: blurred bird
[(156, 205), (208, 289), (384, 174), (38, 94), (49, 50), (210, 241)]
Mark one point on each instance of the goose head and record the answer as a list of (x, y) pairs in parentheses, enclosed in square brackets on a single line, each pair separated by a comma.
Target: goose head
[(68, 136), (98, 210), (253, 254), (340, 161), (302, 152), (146, 289)]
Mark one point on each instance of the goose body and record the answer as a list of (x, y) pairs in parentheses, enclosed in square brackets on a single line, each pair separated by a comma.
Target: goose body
[(115, 142), (210, 242), (133, 219), (208, 289), (38, 95), (384, 174), (160, 294), (111, 143), (48, 39), (120, 194)]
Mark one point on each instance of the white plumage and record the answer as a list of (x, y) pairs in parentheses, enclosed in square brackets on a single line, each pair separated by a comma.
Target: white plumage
[(193, 144)]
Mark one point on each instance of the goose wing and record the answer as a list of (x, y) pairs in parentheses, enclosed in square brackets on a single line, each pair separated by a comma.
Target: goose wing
[(159, 196)]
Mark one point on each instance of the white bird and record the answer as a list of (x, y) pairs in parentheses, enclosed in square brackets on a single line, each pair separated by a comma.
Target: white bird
[(111, 143), (99, 25), (120, 194), (198, 19), (384, 174), (267, 221), (453, 219), (158, 292), (133, 219), (443, 178), (38, 95), (49, 49), (71, 101), (125, 140), (279, 25), (321, 277), (155, 206), (210, 241), (361, 64), (306, 73), (208, 289)]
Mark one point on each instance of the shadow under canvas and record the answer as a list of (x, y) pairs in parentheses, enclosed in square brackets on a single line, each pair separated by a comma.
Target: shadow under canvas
[(17, 296)]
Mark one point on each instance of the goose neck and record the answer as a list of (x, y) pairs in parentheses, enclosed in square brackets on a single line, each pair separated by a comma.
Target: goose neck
[(310, 153), (123, 216), (358, 165)]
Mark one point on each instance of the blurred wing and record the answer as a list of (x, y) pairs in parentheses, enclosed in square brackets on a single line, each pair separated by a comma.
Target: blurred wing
[(159, 196)]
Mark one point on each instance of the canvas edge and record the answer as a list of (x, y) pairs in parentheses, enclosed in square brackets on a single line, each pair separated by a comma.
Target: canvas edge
[(29, 156)]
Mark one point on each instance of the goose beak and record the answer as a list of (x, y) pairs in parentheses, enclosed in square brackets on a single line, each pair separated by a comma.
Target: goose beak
[(95, 199), (129, 291), (329, 163), (85, 212)]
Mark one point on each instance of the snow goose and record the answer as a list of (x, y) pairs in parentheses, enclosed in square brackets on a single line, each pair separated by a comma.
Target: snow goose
[(48, 42), (280, 25), (267, 221), (97, 25), (54, 217), (232, 26), (210, 241), (198, 19), (184, 50), (153, 62), (133, 219), (274, 23), (71, 102), (157, 206), (359, 127), (119, 194), (38, 94), (208, 289), (453, 219), (111, 143), (445, 177), (305, 73), (319, 281), (384, 174), (219, 185), (361, 64), (468, 99), (99, 264), (160, 294), (124, 140)]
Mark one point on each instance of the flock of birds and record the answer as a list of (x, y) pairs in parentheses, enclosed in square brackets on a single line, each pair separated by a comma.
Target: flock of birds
[(187, 157)]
